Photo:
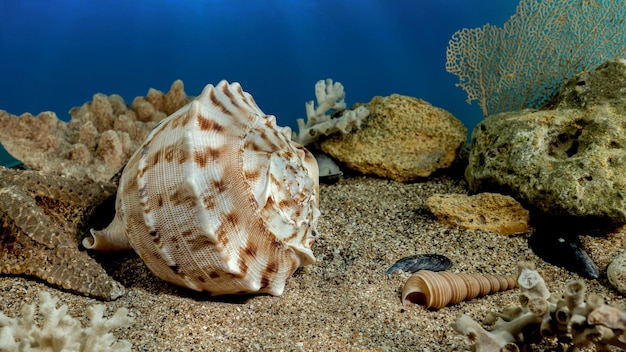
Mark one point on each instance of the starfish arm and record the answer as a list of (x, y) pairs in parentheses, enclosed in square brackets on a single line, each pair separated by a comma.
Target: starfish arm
[(40, 217), (21, 213)]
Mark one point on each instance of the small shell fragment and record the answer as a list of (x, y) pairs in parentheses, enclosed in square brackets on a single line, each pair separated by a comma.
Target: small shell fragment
[(436, 290), (329, 171), (414, 263)]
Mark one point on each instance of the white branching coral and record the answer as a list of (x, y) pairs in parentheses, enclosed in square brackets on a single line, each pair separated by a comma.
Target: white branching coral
[(60, 331), (568, 317), (329, 96)]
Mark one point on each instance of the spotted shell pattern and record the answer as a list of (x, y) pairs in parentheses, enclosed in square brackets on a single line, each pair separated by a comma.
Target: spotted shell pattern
[(218, 198)]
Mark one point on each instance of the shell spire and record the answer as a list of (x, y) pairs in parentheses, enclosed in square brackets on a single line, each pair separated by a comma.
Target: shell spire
[(218, 197), (438, 289)]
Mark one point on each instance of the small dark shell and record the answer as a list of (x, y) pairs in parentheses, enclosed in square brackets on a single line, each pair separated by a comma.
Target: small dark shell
[(414, 263), (564, 250)]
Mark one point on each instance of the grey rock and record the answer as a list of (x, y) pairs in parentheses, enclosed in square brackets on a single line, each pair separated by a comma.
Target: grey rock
[(562, 162), (604, 85), (616, 272), (326, 166), (415, 263), (570, 160)]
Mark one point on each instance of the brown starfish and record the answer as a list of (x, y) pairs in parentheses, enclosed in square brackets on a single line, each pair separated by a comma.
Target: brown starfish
[(41, 216)]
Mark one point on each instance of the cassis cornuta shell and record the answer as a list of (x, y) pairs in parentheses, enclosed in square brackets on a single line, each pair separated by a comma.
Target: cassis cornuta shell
[(218, 198)]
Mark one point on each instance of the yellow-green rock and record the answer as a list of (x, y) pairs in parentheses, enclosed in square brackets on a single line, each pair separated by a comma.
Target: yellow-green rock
[(561, 162), (404, 139)]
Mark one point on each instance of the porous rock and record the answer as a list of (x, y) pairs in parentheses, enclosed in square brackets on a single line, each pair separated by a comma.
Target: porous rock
[(404, 138), (98, 140), (604, 85), (616, 272), (484, 211), (569, 161), (562, 162)]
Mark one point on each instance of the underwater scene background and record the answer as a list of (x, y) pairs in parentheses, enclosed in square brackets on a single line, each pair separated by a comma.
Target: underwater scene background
[(56, 55)]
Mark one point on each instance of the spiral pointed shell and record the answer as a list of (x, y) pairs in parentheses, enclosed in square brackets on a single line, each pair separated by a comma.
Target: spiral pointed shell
[(218, 198), (438, 289)]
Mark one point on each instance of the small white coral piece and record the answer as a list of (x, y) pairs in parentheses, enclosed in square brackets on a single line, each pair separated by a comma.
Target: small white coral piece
[(60, 331), (531, 282), (329, 96)]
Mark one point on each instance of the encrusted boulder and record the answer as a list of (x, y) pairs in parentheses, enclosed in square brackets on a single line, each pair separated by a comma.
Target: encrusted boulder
[(484, 211), (561, 162), (567, 159), (616, 272), (604, 85), (404, 139)]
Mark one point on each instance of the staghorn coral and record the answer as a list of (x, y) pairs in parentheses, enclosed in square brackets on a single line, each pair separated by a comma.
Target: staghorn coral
[(568, 317), (329, 96), (60, 331), (99, 139), (523, 64)]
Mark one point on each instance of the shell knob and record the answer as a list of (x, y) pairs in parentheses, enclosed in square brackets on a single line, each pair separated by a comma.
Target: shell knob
[(438, 289)]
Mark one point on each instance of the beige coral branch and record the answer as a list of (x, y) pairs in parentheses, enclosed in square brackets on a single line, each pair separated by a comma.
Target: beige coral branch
[(583, 321)]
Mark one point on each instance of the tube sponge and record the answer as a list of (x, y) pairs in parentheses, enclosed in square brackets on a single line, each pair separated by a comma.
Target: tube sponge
[(60, 331), (571, 317)]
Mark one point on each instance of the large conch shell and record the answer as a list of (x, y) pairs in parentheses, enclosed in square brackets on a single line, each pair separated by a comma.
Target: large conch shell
[(218, 198), (438, 289)]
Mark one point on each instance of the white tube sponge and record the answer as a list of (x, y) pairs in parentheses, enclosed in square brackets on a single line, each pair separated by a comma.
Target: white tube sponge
[(60, 331), (569, 317), (329, 96), (530, 282)]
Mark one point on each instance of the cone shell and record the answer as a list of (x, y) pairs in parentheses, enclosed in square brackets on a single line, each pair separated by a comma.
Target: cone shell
[(438, 289), (218, 198)]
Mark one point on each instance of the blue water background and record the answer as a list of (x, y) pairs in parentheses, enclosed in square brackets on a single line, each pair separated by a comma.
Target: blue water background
[(55, 55)]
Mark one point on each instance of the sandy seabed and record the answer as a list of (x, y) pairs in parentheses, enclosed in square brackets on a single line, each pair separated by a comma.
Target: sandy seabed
[(344, 302)]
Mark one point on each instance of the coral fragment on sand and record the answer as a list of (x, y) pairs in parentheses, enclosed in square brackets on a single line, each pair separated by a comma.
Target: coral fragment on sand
[(58, 331), (570, 317)]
